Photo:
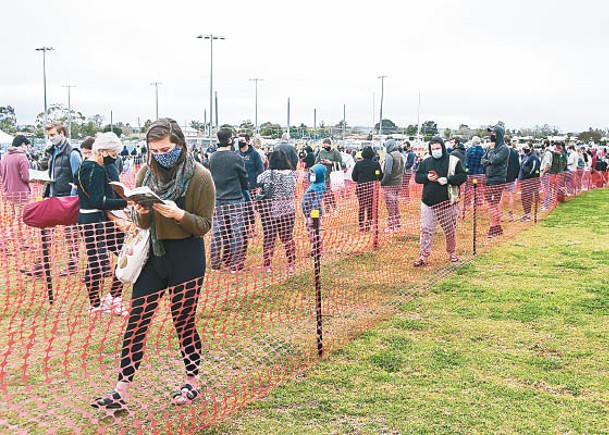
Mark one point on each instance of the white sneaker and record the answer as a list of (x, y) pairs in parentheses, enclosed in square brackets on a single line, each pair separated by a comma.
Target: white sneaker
[(95, 310), (114, 306)]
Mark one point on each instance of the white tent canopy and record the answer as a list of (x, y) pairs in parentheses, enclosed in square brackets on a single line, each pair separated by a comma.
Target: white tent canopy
[(5, 138)]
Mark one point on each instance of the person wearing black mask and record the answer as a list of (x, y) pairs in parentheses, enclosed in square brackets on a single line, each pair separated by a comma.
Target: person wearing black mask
[(441, 175), (253, 167), (529, 180)]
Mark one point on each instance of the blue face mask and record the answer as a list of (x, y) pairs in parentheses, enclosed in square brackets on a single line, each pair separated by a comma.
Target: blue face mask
[(436, 154), (168, 159)]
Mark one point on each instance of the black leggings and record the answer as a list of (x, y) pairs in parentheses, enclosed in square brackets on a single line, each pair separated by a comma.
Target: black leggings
[(181, 270), (99, 238)]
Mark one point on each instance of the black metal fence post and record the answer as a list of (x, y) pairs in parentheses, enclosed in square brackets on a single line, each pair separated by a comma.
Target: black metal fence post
[(475, 214), (317, 262)]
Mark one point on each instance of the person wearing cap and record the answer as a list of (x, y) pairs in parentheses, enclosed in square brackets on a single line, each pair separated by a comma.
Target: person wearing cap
[(441, 175), (528, 177), (14, 170), (96, 196), (495, 161), (393, 175)]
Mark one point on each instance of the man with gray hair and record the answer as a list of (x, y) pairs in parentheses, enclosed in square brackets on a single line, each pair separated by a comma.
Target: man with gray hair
[(288, 149)]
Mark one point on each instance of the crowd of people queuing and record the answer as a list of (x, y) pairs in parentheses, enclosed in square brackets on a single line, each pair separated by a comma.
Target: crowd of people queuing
[(226, 189)]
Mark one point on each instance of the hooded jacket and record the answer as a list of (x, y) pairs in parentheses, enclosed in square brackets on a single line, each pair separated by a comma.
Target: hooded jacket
[(394, 165), (315, 192), (14, 172), (513, 167), (433, 192), (495, 160), (253, 165), (365, 169)]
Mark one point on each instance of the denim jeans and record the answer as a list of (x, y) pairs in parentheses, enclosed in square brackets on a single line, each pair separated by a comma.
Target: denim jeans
[(228, 235)]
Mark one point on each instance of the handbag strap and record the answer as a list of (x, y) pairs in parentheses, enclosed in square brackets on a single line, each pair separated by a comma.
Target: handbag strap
[(80, 184)]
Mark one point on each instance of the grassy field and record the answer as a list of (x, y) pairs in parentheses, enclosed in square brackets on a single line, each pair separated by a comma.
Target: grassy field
[(515, 342)]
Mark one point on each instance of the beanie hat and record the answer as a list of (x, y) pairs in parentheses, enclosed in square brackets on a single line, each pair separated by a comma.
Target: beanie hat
[(108, 142)]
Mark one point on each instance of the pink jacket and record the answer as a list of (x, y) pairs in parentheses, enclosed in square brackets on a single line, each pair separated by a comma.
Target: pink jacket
[(14, 172)]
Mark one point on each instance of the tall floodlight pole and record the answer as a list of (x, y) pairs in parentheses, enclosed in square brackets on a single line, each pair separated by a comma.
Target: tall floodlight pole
[(69, 110), (256, 80), (288, 116), (211, 39), (44, 79), (419, 118), (344, 121), (382, 94), (156, 93)]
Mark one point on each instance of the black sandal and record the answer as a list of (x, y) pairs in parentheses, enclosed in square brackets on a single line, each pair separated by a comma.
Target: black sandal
[(185, 396), (111, 400)]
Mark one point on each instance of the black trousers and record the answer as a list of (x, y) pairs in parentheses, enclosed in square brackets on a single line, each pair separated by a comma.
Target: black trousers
[(181, 271), (365, 199)]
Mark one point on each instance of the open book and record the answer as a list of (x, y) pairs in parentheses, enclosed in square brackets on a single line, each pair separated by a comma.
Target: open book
[(143, 196), (39, 175)]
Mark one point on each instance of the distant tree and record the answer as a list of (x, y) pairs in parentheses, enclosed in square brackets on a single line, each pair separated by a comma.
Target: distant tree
[(88, 129), (388, 126), (98, 120), (271, 130), (592, 135), (247, 127), (198, 125), (8, 119), (448, 133), (429, 128), (116, 129), (411, 130), (146, 125)]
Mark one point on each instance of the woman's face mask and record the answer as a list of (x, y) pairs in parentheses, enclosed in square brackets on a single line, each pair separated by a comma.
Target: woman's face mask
[(168, 159)]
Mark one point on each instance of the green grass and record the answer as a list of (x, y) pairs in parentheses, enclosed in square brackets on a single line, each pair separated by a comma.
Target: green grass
[(515, 342)]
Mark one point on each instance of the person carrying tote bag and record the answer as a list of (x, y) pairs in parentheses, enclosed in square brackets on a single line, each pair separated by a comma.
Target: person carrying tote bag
[(176, 262)]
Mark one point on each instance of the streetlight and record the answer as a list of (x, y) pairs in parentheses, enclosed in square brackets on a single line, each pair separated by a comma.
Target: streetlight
[(256, 80), (382, 91), (211, 76), (156, 91), (44, 78), (69, 110)]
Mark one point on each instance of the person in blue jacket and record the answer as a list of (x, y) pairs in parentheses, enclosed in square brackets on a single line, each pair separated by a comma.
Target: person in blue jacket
[(313, 197)]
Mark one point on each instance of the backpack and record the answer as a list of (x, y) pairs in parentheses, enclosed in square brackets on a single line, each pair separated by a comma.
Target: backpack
[(558, 164)]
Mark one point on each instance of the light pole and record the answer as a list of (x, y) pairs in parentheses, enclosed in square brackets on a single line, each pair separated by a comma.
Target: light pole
[(156, 93), (381, 114), (69, 110), (44, 78), (256, 80), (211, 76)]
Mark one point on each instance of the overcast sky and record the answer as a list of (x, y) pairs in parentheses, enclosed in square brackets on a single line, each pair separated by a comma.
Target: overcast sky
[(473, 61)]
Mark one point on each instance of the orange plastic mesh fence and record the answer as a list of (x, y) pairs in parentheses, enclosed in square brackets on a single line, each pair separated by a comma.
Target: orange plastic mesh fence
[(280, 289)]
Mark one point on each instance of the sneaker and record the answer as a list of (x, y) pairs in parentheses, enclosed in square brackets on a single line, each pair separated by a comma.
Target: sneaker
[(388, 230), (37, 270), (114, 306), (454, 258), (335, 213), (499, 231), (269, 270), (95, 310), (491, 233), (525, 218), (290, 268)]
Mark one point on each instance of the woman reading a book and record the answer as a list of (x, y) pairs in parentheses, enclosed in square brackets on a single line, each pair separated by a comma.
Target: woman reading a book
[(100, 235), (176, 263)]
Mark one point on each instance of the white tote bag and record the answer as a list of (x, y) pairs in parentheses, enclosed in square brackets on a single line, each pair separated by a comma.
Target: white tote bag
[(337, 177), (133, 255)]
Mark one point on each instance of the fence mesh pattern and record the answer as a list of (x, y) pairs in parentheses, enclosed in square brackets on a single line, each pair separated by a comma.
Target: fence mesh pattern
[(281, 290)]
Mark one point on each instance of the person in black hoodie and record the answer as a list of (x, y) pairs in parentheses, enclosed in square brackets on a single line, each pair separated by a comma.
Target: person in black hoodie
[(513, 168), (96, 197), (441, 175), (364, 173), (495, 162), (529, 180)]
